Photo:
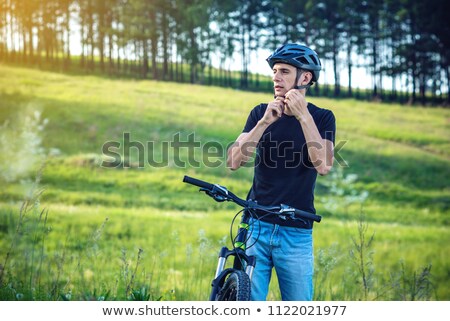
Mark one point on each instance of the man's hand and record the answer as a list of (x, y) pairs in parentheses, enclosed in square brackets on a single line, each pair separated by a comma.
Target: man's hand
[(296, 104), (274, 111), (320, 150)]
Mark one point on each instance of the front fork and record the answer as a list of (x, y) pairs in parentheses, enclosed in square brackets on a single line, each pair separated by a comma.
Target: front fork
[(222, 273), (239, 254), (241, 259)]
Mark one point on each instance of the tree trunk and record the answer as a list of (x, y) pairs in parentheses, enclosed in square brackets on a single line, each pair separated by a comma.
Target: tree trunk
[(447, 72), (349, 68), (145, 60), (30, 42), (91, 39), (337, 86), (193, 57), (422, 88), (11, 35), (24, 44), (414, 78), (244, 72), (374, 67), (68, 54), (165, 35), (101, 48), (154, 47), (181, 70)]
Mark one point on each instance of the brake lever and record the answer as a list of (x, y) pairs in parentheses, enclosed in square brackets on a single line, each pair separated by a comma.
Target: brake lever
[(218, 193), (288, 212)]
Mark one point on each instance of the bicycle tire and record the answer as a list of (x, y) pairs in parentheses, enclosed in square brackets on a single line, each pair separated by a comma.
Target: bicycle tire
[(236, 287)]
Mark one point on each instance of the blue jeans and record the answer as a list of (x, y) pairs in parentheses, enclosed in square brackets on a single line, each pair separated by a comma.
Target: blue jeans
[(290, 251)]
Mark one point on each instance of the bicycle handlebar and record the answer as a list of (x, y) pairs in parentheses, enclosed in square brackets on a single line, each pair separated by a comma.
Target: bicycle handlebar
[(221, 193), (308, 215), (197, 182)]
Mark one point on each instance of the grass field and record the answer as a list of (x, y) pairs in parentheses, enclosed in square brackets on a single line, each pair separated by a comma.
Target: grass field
[(72, 229)]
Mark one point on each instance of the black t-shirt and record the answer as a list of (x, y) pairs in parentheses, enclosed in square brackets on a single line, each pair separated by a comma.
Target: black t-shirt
[(283, 171)]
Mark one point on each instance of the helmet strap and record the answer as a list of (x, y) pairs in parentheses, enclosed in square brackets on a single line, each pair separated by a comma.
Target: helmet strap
[(302, 87), (297, 79)]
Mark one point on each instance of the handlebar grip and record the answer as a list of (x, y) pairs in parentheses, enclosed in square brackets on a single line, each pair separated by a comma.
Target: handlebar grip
[(308, 215), (197, 182)]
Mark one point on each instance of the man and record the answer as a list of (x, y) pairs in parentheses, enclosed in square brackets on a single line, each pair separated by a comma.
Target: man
[(294, 141)]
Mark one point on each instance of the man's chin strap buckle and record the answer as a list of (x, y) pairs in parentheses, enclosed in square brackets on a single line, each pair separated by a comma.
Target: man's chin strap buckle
[(302, 87)]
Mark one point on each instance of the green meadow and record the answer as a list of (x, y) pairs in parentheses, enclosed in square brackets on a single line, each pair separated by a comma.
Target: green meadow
[(72, 229)]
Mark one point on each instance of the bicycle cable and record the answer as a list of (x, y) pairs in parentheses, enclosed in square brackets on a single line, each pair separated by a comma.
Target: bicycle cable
[(255, 219), (233, 239), (283, 217)]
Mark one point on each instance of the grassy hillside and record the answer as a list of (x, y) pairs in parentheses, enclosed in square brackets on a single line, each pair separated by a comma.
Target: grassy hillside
[(85, 226)]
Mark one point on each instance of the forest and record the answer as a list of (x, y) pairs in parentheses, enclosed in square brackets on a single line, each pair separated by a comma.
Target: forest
[(404, 46)]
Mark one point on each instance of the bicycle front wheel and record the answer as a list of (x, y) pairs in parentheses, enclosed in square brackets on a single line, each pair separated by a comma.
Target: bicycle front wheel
[(235, 288)]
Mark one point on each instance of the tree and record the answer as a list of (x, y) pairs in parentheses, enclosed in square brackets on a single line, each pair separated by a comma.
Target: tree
[(352, 36), (397, 38), (193, 21), (329, 22), (224, 36), (4, 13), (65, 10), (371, 12)]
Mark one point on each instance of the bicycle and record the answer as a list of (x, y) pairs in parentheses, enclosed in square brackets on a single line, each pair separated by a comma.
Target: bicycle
[(234, 284)]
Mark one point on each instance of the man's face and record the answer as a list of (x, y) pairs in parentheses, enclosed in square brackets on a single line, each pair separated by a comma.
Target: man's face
[(283, 78)]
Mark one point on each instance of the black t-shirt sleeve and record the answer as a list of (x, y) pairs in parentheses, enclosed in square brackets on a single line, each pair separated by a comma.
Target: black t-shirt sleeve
[(328, 126), (253, 118)]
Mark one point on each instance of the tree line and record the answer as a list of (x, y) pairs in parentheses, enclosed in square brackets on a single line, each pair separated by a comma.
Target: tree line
[(404, 45)]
